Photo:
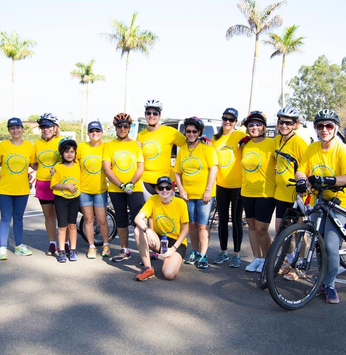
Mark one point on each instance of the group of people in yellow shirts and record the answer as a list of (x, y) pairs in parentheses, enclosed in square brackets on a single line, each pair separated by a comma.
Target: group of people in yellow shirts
[(239, 168)]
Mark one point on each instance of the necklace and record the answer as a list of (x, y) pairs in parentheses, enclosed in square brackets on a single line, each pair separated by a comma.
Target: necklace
[(191, 150)]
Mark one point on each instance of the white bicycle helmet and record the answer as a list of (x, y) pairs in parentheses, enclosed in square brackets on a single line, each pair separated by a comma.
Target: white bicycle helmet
[(153, 103), (48, 117), (289, 112)]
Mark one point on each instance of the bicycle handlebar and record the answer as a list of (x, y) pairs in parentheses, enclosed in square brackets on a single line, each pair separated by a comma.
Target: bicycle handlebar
[(289, 158)]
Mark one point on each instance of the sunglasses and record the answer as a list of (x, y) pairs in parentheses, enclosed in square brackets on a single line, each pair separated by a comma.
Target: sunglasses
[(328, 126), (255, 124), (148, 113), (287, 123), (123, 126), (225, 119), (166, 187), (94, 131), (189, 131)]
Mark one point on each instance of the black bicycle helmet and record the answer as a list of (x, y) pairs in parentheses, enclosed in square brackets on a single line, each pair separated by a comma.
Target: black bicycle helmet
[(289, 112), (197, 122), (327, 115), (66, 142), (256, 115)]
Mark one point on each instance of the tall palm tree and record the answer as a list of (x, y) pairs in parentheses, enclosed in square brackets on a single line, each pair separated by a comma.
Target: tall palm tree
[(16, 49), (129, 39), (285, 45), (259, 22), (86, 76)]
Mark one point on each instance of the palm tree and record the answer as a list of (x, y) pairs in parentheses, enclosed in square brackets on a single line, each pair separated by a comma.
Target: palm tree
[(129, 39), (16, 49), (84, 73), (285, 45), (259, 22)]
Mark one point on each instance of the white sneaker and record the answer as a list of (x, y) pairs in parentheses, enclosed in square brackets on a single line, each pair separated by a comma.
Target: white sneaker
[(255, 263), (260, 266)]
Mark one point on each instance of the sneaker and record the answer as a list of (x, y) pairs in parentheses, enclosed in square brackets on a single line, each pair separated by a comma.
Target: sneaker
[(235, 261), (331, 295), (321, 290), (73, 255), (202, 262), (3, 253), (61, 256), (106, 251), (153, 255), (52, 250), (191, 259), (222, 257), (255, 263), (67, 248), (22, 250), (260, 266), (145, 274), (121, 256), (91, 253)]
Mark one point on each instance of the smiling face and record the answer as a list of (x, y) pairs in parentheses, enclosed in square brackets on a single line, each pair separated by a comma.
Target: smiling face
[(15, 131), (122, 129), (69, 154), (228, 122), (95, 135), (286, 125), (191, 133), (326, 130), (164, 190), (152, 116), (47, 132), (255, 128)]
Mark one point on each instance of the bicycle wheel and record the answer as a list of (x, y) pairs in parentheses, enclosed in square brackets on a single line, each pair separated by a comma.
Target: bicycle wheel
[(342, 252), (112, 226), (305, 250)]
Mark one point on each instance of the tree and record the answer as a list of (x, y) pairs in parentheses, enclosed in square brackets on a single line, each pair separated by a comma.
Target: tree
[(259, 22), (33, 118), (319, 86), (16, 49), (86, 76), (129, 39), (284, 45)]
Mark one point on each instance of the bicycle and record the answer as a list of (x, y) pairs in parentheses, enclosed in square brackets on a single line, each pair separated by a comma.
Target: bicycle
[(309, 259)]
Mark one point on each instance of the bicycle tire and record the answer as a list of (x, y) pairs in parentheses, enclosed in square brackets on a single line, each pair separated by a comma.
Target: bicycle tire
[(343, 257), (292, 295), (112, 225)]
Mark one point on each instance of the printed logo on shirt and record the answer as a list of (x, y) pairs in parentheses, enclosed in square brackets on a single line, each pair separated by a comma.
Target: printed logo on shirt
[(123, 161), (16, 164), (151, 150), (225, 156), (251, 162), (92, 164), (321, 169), (67, 181), (282, 165), (165, 224), (191, 165), (48, 158)]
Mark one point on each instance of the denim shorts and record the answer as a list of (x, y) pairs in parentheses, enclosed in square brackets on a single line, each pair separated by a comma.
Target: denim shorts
[(199, 211), (96, 200)]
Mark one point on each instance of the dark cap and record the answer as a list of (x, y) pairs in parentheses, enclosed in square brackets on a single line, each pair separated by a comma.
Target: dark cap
[(232, 111), (95, 125), (46, 123), (14, 121), (164, 179)]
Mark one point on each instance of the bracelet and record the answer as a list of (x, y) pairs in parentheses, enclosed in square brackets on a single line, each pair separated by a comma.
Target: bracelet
[(175, 247), (208, 188), (145, 229)]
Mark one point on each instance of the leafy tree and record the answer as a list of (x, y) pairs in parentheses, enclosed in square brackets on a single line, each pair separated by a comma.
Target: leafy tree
[(16, 49), (130, 39), (33, 118), (319, 86), (86, 76), (259, 22), (284, 45)]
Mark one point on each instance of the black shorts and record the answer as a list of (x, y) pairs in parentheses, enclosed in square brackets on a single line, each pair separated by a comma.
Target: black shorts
[(150, 188), (182, 247), (260, 208), (46, 202), (66, 210), (281, 207)]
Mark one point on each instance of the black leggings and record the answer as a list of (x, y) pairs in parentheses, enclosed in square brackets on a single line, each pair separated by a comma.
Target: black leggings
[(225, 197)]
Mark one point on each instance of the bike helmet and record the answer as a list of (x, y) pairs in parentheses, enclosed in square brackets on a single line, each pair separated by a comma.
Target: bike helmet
[(157, 104), (122, 118), (197, 122), (327, 115), (289, 112), (256, 115), (66, 142), (48, 119)]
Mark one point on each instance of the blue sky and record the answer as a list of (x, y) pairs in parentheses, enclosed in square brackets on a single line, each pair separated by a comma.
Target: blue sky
[(192, 68)]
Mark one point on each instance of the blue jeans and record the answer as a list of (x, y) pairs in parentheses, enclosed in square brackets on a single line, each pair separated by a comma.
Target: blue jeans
[(12, 206), (199, 211)]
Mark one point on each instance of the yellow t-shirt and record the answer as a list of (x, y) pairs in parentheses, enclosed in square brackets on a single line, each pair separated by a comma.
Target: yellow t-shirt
[(157, 147), (295, 147), (258, 165), (331, 163), (167, 219), (93, 177), (15, 160), (229, 174), (66, 175), (47, 155), (124, 157), (194, 169)]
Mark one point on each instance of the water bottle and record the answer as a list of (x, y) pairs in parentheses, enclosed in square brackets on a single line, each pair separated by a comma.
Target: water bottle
[(164, 245)]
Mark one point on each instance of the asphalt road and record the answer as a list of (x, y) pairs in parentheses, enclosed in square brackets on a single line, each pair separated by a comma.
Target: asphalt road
[(95, 307)]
